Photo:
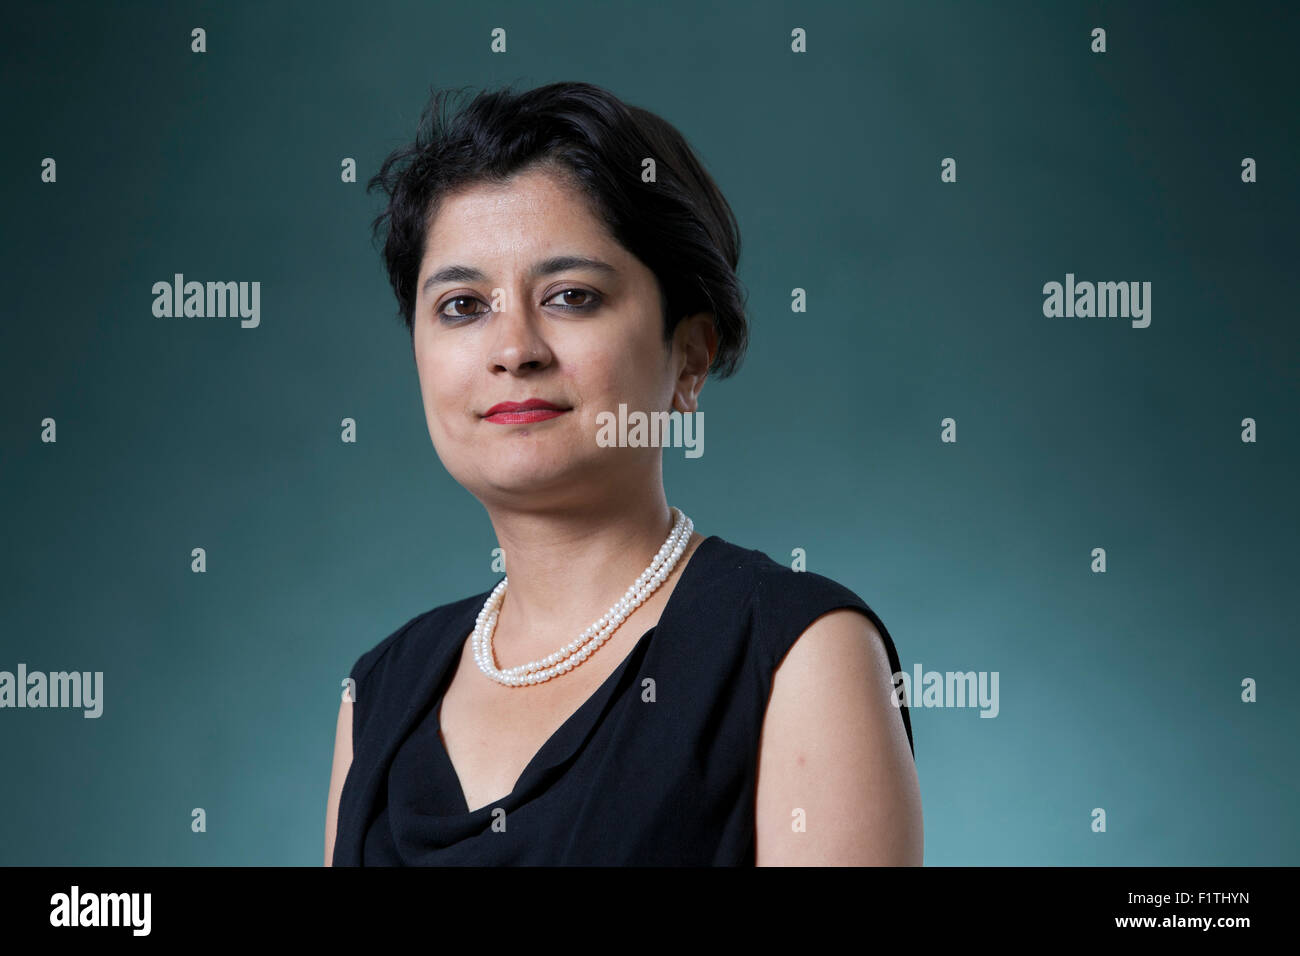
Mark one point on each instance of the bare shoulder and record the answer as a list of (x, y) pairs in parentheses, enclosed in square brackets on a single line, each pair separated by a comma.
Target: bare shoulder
[(837, 784), (338, 773)]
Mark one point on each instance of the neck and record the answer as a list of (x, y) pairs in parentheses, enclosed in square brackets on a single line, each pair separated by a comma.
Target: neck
[(566, 569)]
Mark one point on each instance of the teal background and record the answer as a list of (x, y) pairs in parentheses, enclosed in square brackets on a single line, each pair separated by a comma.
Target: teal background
[(1118, 690)]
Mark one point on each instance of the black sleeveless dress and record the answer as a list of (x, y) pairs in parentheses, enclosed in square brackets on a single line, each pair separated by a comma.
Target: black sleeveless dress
[(625, 780)]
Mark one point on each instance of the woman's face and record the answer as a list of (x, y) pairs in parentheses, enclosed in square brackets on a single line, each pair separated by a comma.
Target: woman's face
[(499, 317)]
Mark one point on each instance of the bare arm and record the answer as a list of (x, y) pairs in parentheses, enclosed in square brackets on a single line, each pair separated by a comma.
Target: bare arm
[(837, 785), (342, 761)]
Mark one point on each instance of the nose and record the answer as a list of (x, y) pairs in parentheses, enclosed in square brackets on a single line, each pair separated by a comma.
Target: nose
[(517, 345)]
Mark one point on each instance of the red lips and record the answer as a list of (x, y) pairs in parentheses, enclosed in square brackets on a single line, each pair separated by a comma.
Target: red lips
[(522, 406), (523, 413)]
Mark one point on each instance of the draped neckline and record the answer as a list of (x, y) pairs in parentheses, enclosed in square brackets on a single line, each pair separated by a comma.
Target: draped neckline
[(578, 726)]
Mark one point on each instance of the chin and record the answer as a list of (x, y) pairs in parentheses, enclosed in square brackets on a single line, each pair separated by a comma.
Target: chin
[(525, 475)]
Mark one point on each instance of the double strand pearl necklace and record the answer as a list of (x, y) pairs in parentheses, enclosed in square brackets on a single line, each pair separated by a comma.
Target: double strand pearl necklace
[(575, 652)]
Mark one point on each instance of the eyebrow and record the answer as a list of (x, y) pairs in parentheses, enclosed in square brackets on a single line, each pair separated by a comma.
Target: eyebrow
[(545, 267)]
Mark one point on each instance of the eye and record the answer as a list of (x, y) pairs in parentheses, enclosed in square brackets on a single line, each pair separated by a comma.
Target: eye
[(592, 299), (457, 314)]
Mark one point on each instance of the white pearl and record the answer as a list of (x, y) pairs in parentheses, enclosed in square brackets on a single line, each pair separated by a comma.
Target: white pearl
[(575, 652)]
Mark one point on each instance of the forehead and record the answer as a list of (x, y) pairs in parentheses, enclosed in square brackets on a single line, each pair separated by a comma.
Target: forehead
[(531, 215)]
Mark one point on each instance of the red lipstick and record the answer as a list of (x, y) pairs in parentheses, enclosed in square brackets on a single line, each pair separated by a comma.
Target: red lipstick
[(520, 413)]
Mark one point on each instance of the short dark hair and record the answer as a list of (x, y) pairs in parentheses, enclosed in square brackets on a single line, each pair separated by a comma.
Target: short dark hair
[(679, 226)]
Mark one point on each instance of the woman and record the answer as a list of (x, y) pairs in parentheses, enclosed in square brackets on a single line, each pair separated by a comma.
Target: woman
[(557, 254)]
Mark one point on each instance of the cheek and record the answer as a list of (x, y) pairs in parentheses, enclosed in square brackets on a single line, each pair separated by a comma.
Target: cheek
[(624, 367), (635, 377), (439, 391), (439, 369)]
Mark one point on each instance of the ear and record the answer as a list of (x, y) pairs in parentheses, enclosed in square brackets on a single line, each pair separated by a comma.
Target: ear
[(695, 344)]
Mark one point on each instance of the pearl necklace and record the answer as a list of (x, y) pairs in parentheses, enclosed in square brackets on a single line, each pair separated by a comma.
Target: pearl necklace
[(575, 652)]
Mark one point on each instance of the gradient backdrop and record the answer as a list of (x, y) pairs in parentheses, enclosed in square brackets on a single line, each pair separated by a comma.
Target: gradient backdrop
[(1119, 690)]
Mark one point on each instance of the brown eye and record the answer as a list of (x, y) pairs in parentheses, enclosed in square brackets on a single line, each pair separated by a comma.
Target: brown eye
[(588, 299), (456, 313)]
